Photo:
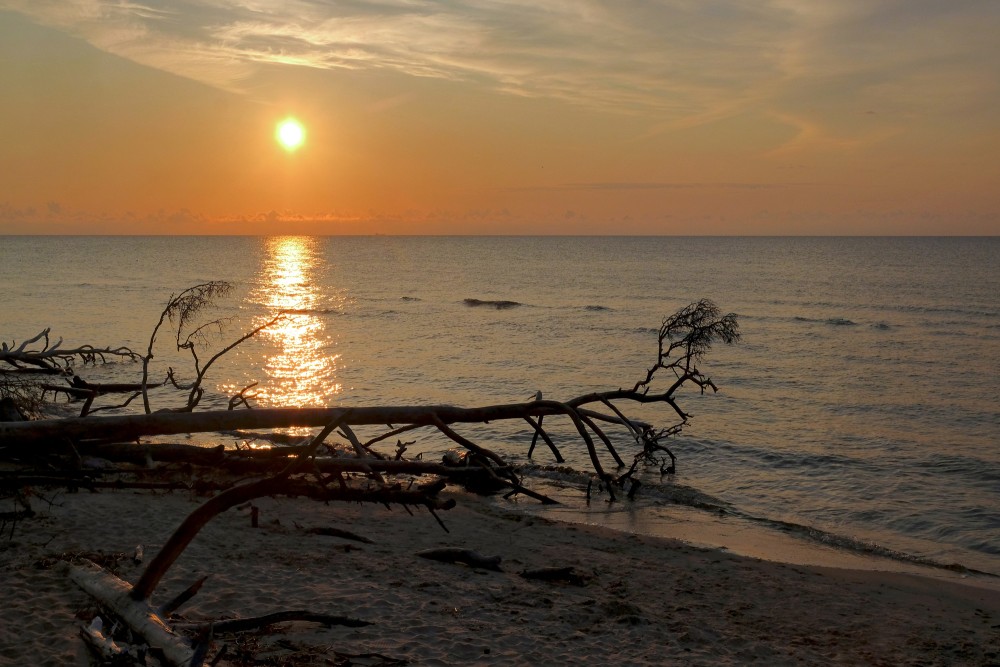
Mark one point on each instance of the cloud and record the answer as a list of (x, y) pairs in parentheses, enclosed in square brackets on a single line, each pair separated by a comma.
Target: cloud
[(683, 63), (646, 185), (906, 221)]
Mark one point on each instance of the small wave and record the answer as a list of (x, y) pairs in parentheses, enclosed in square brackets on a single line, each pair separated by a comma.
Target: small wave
[(882, 326), (936, 310), (376, 314), (678, 494), (688, 496), (833, 321), (409, 298), (313, 311), (499, 305), (596, 308), (857, 545)]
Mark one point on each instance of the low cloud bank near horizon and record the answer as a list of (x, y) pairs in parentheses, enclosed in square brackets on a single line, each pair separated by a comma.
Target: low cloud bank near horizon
[(54, 219)]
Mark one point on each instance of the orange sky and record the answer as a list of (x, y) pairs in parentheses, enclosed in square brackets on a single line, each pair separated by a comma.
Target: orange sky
[(494, 117)]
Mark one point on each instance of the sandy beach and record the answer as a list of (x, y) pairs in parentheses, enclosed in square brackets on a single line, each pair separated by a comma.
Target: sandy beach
[(641, 601)]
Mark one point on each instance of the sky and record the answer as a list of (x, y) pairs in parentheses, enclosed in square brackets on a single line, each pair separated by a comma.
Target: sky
[(688, 117)]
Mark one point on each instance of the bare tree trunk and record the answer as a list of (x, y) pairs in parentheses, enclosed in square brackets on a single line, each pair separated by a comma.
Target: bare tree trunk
[(130, 427)]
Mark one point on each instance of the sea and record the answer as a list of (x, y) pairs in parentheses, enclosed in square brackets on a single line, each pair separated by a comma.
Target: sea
[(857, 421)]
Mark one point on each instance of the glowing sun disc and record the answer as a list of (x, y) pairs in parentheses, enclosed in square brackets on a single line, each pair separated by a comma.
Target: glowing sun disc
[(290, 134)]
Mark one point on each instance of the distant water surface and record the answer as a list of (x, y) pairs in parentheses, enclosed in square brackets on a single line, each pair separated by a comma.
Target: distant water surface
[(861, 409)]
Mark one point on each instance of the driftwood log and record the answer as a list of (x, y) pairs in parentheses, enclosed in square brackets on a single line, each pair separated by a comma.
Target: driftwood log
[(115, 595), (683, 340)]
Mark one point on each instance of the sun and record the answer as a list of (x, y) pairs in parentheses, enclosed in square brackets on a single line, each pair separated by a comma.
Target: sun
[(290, 134)]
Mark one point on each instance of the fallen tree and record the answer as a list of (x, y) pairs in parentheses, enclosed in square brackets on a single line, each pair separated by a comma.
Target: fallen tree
[(310, 470), (683, 340)]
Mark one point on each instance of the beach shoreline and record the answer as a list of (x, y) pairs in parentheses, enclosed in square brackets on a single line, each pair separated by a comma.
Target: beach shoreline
[(643, 600), (739, 536)]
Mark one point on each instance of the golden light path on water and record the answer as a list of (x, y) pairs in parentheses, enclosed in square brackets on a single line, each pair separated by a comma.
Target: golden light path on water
[(300, 370)]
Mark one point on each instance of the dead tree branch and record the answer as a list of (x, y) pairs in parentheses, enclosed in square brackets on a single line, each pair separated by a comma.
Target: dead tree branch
[(181, 308), (22, 364), (52, 357), (190, 344)]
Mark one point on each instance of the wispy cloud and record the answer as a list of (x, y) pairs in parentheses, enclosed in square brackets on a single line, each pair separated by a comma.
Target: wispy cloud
[(645, 185), (811, 64)]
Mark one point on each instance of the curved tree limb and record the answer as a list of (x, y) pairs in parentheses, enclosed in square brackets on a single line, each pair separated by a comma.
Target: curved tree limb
[(195, 521), (568, 410), (465, 442)]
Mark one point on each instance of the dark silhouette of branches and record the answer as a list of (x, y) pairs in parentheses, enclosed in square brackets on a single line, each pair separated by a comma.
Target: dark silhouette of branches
[(180, 310), (24, 365), (683, 340), (52, 358), (190, 343)]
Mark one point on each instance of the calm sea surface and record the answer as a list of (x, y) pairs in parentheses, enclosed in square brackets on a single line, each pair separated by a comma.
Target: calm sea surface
[(861, 410)]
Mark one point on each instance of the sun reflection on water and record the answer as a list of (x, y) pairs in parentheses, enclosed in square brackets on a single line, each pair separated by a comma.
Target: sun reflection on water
[(300, 368)]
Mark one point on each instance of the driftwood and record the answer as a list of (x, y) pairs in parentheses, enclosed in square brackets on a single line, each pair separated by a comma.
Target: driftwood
[(81, 389), (27, 436), (130, 427), (464, 556), (330, 531), (21, 366), (683, 339), (182, 309), (52, 358), (116, 596), (181, 598)]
